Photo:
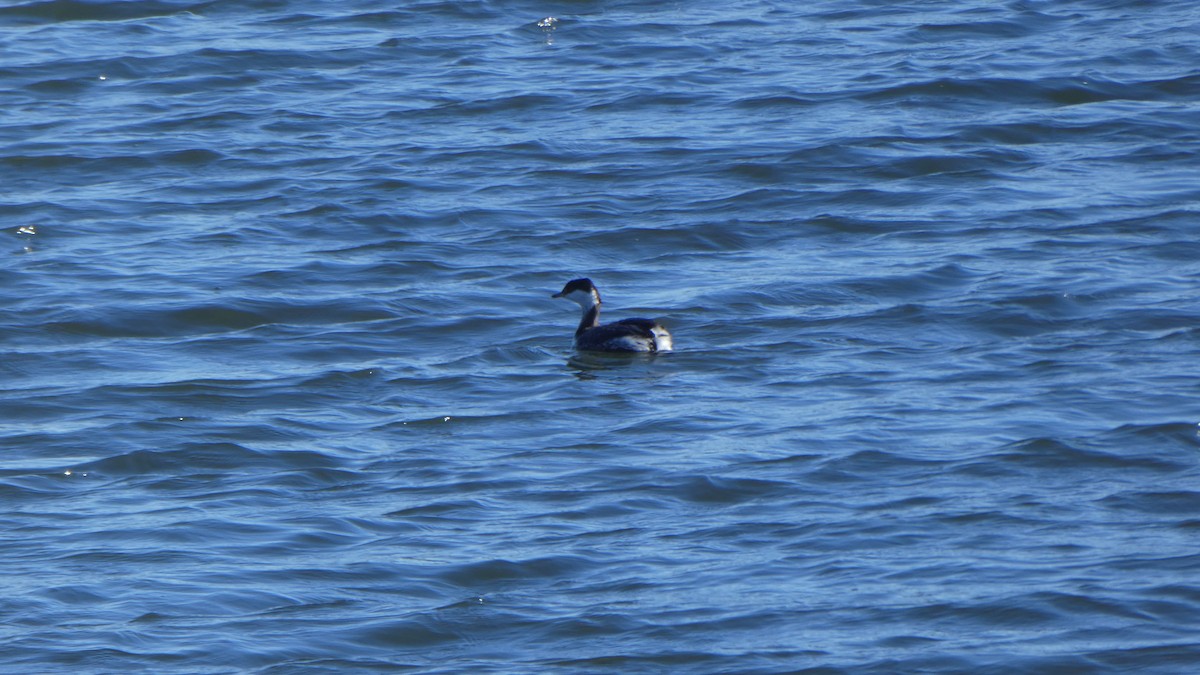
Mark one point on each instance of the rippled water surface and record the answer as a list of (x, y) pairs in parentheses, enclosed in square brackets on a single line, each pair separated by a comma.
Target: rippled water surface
[(284, 390)]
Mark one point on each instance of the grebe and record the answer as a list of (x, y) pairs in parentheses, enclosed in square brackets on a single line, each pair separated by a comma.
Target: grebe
[(627, 335)]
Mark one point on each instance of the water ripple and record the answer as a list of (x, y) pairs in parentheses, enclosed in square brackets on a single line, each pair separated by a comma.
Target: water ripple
[(286, 391)]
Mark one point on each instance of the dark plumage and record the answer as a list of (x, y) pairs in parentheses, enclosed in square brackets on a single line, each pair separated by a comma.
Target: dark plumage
[(627, 335)]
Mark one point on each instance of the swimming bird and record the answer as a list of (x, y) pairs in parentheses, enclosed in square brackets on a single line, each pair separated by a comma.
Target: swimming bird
[(626, 335)]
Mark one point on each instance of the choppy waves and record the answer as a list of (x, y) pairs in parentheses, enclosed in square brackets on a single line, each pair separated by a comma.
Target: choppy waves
[(285, 390)]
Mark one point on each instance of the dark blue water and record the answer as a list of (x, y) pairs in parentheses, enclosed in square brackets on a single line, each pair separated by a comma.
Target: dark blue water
[(284, 390)]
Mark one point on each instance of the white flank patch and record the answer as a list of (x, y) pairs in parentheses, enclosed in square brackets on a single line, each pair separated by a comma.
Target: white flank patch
[(631, 343), (662, 339)]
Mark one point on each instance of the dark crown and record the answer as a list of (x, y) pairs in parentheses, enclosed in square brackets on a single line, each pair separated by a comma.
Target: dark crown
[(584, 285)]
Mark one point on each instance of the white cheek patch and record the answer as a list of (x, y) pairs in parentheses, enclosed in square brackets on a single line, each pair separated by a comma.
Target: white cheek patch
[(582, 297)]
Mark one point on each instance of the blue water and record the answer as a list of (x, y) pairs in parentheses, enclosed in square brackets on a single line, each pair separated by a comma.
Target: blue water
[(284, 390)]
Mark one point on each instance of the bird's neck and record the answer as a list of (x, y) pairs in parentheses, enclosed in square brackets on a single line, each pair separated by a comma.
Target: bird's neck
[(590, 318)]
